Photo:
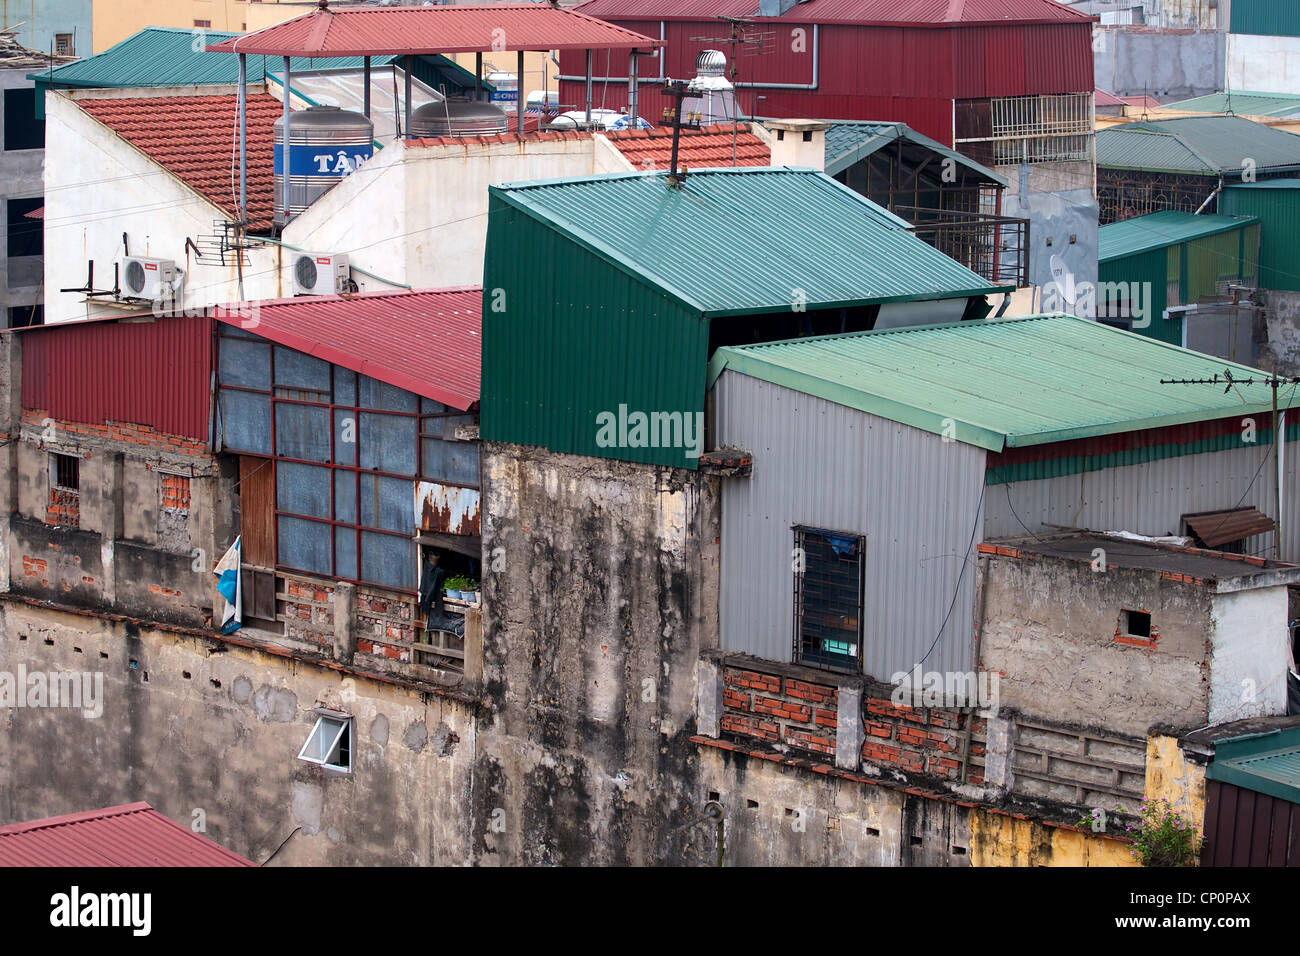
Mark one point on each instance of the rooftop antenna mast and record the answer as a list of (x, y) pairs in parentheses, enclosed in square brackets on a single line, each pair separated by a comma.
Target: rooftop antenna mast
[(751, 43), (1274, 382)]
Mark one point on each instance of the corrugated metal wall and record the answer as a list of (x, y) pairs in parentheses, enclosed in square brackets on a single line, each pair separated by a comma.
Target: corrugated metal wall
[(1147, 267), (150, 373), (1279, 215), (578, 337), (819, 464), (1274, 18), (1152, 497), (1245, 828), (900, 74)]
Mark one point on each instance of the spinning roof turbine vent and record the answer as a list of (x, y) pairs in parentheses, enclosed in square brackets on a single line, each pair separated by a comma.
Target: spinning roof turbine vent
[(325, 144), (716, 102)]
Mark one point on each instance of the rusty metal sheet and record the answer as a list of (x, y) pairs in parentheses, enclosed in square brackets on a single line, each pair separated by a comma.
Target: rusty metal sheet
[(446, 508)]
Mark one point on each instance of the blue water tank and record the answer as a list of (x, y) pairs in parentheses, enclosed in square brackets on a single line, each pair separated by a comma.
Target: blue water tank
[(325, 144)]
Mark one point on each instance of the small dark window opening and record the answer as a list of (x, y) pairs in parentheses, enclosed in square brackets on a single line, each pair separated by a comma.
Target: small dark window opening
[(780, 135), (1137, 624), (66, 472), (22, 130), (807, 136), (828, 585), (63, 44), (26, 237)]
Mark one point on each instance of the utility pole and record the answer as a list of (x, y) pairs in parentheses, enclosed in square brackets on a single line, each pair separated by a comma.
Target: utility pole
[(1274, 382), (677, 90)]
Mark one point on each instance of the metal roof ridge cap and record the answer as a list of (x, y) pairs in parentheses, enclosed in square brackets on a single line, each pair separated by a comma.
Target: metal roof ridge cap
[(79, 816)]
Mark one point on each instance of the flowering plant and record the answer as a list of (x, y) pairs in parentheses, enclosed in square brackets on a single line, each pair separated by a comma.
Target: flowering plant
[(1162, 836)]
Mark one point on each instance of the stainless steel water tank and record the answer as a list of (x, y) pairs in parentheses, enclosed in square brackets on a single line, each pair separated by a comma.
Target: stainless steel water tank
[(325, 144), (458, 116)]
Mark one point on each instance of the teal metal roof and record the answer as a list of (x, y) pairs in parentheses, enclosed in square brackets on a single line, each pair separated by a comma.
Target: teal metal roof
[(747, 241), (1269, 184), (1129, 237), (1003, 383), (1205, 145), (848, 143), (1242, 104), (1266, 763)]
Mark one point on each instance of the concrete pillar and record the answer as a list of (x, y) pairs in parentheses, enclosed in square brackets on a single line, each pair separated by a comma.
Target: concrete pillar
[(474, 648), (848, 729), (345, 621), (708, 698), (102, 511), (798, 142), (998, 753)]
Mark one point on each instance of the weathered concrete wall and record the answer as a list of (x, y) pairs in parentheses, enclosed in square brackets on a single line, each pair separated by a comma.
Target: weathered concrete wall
[(1280, 353), (20, 178), (1249, 654), (1174, 777), (1168, 65), (189, 724), (599, 589), (1059, 201), (1263, 64), (999, 840), (1051, 630)]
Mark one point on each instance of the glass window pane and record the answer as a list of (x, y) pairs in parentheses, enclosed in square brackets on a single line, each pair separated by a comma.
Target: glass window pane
[(388, 560), (345, 437), (304, 545), (302, 431), (345, 386), (345, 496), (302, 489), (345, 552), (381, 395), (246, 422), (429, 407), (387, 443), (455, 462)]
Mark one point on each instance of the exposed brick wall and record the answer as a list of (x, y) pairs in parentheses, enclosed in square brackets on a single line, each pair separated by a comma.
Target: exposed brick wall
[(63, 508), (124, 432), (308, 611), (385, 625), (775, 709), (922, 740)]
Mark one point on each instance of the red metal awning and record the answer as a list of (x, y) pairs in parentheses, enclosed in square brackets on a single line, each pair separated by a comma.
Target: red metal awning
[(1214, 529), (380, 31), (427, 341), (134, 834)]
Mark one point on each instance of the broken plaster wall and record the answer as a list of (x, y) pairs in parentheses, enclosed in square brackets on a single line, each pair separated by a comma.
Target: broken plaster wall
[(599, 577), (190, 724), (1280, 353), (1050, 631)]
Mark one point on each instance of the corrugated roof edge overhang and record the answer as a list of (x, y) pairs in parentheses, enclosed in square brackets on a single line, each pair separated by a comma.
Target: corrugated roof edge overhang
[(901, 131), (236, 314), (514, 195), (742, 359), (1213, 226), (1267, 763)]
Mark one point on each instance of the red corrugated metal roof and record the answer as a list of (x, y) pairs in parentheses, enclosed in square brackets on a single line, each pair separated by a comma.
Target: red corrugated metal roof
[(1144, 102), (864, 12), (148, 373), (427, 341), (38, 213), (375, 31), (727, 144), (134, 834), (193, 138), (1107, 99)]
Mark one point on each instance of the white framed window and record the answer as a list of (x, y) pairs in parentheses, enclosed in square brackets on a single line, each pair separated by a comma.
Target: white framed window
[(330, 743)]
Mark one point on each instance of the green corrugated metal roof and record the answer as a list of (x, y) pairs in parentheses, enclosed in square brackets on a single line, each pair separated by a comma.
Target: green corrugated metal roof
[(851, 142), (1267, 763), (1004, 383), (1287, 183), (1242, 104), (747, 241), (1208, 145), (1130, 237)]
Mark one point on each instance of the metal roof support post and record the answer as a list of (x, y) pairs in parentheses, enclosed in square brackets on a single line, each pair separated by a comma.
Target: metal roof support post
[(243, 138), (284, 165), (365, 100), (478, 76), (632, 84), (519, 93), (587, 100), (406, 123)]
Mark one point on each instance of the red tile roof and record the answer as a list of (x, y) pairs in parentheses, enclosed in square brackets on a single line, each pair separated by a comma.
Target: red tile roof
[(134, 834), (530, 135), (193, 138), (485, 28), (427, 341), (922, 13), (37, 213), (727, 144)]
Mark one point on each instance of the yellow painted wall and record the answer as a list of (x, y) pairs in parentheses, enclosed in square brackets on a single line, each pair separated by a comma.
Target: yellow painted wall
[(115, 20), (999, 840), (1175, 778)]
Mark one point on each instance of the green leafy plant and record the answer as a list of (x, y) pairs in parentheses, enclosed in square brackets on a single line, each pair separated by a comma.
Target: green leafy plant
[(1163, 836), (457, 582)]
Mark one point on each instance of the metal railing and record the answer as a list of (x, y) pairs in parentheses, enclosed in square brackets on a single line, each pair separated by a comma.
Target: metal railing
[(994, 247)]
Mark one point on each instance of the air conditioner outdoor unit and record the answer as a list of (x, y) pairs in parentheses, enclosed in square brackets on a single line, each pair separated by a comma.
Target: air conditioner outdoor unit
[(150, 279), (321, 275)]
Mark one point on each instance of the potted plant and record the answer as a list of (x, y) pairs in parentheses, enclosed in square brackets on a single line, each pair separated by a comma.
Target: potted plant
[(470, 591), (452, 586)]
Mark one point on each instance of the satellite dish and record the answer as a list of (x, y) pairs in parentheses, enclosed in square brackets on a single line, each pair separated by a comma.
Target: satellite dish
[(1063, 279)]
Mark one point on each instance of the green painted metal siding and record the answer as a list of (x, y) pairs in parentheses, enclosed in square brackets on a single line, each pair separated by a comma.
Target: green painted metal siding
[(1272, 18), (574, 336), (1148, 268), (1277, 205)]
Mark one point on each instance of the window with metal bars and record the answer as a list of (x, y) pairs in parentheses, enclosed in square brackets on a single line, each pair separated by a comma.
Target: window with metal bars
[(65, 472), (828, 595)]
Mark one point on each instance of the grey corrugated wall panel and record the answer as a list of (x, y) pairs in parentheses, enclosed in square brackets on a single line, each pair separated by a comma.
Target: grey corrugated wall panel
[(1151, 498), (915, 497)]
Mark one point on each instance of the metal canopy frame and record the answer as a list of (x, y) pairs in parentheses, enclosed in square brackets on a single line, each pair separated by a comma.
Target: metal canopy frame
[(501, 44)]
